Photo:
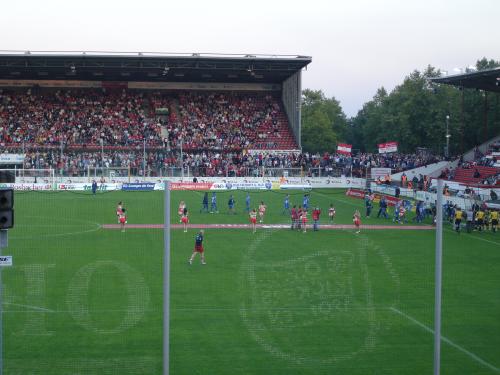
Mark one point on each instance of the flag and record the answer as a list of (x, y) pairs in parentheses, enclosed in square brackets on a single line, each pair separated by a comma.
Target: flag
[(384, 148), (344, 148)]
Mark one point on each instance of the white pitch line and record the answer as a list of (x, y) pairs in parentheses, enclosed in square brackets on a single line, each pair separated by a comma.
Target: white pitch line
[(337, 199), (476, 237), (37, 308), (447, 340)]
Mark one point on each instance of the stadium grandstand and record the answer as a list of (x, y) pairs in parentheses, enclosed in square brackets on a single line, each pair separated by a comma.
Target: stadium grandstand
[(146, 114), (480, 166), (102, 107)]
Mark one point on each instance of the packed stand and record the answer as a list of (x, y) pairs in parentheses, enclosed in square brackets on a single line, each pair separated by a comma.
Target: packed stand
[(74, 130), (127, 118), (75, 117)]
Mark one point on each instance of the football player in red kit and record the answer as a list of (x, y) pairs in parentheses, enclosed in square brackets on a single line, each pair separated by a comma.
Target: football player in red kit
[(262, 212), (295, 217), (356, 218), (253, 219), (303, 219), (185, 219), (122, 219), (119, 208)]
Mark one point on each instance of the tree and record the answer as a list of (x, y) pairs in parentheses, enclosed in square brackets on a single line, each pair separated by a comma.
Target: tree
[(415, 115), (323, 122)]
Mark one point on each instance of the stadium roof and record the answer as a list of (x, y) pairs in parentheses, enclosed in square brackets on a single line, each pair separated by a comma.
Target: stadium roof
[(488, 80), (149, 66)]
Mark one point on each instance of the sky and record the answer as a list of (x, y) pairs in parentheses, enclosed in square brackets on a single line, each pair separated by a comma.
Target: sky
[(356, 46)]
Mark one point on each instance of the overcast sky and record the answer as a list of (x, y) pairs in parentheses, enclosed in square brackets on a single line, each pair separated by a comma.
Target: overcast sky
[(356, 45)]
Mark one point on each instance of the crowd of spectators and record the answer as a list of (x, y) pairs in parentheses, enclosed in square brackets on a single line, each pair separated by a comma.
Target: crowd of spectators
[(215, 163), (74, 130), (75, 117), (128, 118), (218, 121), (489, 159)]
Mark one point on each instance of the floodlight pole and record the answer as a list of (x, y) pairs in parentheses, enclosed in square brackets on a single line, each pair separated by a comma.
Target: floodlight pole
[(182, 163), (166, 280), (144, 159), (438, 278), (102, 157), (447, 154)]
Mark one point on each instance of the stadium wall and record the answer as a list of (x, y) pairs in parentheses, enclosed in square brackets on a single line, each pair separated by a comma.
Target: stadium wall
[(291, 96), (431, 170), (470, 155)]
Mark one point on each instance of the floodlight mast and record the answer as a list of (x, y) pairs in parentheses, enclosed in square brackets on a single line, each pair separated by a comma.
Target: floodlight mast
[(447, 153)]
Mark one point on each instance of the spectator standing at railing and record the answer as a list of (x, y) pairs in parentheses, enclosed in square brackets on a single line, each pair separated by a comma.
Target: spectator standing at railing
[(404, 180)]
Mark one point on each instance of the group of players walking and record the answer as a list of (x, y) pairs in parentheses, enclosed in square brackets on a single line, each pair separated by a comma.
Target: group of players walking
[(299, 215), (476, 218)]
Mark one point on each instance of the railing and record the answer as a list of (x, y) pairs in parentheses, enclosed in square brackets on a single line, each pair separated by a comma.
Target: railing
[(200, 171)]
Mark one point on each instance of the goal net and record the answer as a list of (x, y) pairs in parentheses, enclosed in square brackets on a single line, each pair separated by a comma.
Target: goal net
[(29, 176)]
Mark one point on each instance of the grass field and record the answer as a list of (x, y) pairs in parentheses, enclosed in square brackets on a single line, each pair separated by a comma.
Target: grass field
[(81, 299)]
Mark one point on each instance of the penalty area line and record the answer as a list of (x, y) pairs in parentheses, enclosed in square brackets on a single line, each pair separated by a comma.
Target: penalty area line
[(446, 340)]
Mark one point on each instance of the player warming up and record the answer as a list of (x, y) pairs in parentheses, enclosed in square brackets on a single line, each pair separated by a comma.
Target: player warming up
[(185, 219), (213, 204), (230, 205), (458, 219), (286, 205), (303, 219), (262, 212), (119, 209), (204, 203), (494, 221), (356, 218), (247, 202), (180, 210), (331, 213), (253, 220), (294, 217), (198, 248), (122, 219)]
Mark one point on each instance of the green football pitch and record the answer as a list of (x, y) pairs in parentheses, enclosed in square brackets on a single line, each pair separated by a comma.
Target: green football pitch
[(82, 299)]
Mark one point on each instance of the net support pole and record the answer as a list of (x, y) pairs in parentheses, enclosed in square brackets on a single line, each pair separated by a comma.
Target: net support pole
[(438, 277), (3, 245), (166, 280)]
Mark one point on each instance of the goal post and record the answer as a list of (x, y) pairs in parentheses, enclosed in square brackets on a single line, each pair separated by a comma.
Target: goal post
[(107, 172)]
